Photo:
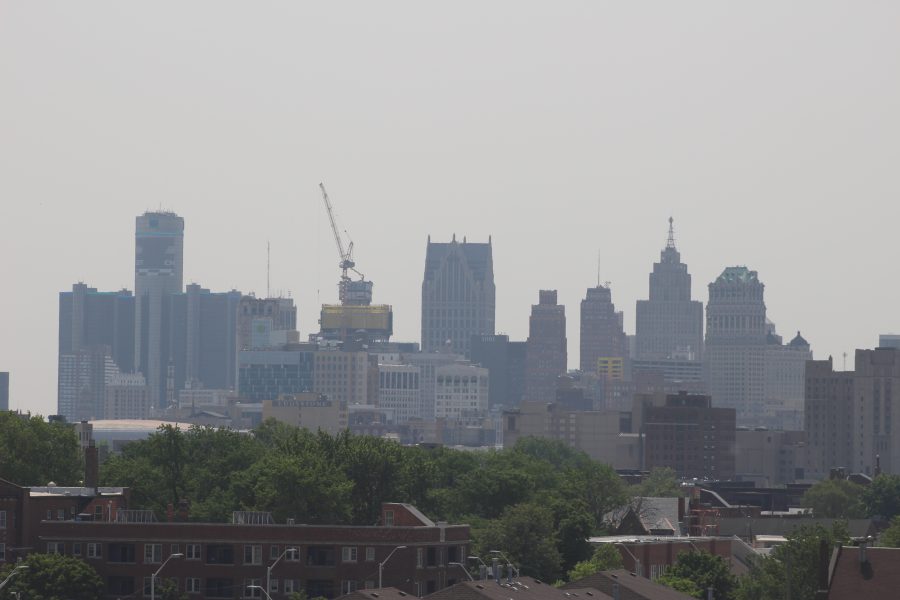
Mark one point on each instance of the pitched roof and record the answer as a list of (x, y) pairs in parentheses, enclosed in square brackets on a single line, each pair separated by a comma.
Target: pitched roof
[(522, 588), (478, 257), (388, 593), (877, 577), (657, 516), (631, 587)]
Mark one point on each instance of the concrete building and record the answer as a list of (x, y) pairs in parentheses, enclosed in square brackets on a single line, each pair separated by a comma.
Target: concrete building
[(735, 352), (458, 295), (310, 410), (267, 374), (785, 382), (461, 393), (126, 397), (770, 458), (669, 324), (342, 376), (159, 272), (546, 351), (602, 333), (81, 384), (260, 319), (889, 340), (4, 390), (851, 416), (428, 363), (692, 437), (505, 361), (400, 391)]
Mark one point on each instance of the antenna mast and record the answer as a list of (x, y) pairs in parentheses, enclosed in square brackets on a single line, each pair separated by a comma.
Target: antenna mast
[(268, 269)]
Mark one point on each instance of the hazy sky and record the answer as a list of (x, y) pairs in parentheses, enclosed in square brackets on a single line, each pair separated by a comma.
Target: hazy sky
[(769, 130)]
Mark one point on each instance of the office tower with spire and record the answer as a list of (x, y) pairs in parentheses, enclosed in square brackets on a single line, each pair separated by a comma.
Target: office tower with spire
[(545, 351), (669, 323), (458, 295), (158, 273), (735, 353), (602, 334)]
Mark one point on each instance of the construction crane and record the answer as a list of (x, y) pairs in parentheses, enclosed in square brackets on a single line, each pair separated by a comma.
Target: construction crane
[(350, 292)]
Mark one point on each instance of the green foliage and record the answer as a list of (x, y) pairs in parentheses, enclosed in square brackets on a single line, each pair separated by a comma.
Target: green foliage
[(537, 502), (890, 537), (835, 499), (167, 589), (703, 570), (794, 563), (35, 452), (53, 576), (604, 558), (882, 497), (661, 482)]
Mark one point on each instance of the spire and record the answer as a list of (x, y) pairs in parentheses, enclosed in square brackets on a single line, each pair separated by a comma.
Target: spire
[(670, 243)]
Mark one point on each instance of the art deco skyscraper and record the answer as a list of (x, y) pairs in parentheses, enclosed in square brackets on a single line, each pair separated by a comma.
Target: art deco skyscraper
[(158, 272), (458, 295), (669, 324), (545, 353), (602, 335), (735, 352)]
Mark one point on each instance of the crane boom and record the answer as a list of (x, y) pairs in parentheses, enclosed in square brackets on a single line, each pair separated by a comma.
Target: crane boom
[(346, 255)]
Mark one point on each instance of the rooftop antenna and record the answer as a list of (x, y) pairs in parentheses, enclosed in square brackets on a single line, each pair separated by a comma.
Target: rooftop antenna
[(268, 269), (598, 268), (845, 361), (670, 243)]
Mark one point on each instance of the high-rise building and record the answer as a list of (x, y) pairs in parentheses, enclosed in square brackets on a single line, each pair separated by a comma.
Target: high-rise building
[(268, 374), (4, 390), (458, 295), (851, 416), (399, 393), (158, 273), (669, 323), (428, 363), (546, 352), (505, 361), (785, 381), (889, 340), (263, 322), (602, 334), (735, 352), (461, 393)]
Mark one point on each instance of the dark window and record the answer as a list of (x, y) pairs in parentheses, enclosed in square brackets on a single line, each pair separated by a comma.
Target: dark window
[(451, 554), (432, 557), (319, 556), (320, 587), (219, 554), (430, 587), (121, 553), (117, 585), (217, 587)]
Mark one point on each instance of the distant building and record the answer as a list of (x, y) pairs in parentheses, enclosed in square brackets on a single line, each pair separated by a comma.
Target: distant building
[(770, 458), (310, 410), (692, 437), (400, 391), (458, 295), (82, 380), (267, 374), (262, 321), (461, 393), (428, 363), (851, 417), (4, 390), (669, 323), (602, 333), (888, 340), (735, 351), (342, 376), (126, 397), (546, 353), (158, 273), (505, 360), (785, 381)]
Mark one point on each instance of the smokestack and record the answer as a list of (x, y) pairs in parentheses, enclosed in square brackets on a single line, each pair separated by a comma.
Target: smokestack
[(495, 567), (91, 467)]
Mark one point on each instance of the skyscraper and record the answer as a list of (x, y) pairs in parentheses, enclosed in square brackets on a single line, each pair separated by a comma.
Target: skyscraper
[(158, 272), (546, 352), (736, 343), (602, 335), (669, 323), (458, 295), (4, 390)]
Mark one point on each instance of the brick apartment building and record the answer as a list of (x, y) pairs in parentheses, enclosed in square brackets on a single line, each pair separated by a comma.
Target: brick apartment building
[(221, 560)]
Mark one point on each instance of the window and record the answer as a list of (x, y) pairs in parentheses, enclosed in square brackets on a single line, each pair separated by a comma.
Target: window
[(147, 586), (94, 550), (348, 554), (121, 553), (420, 557), (348, 586), (98, 512), (432, 557), (173, 549), (192, 585), (370, 553), (252, 554), (370, 584), (76, 549), (152, 553), (219, 554), (55, 548), (288, 586), (293, 554), (388, 518), (2, 519), (61, 514), (218, 587), (320, 556), (2, 552), (252, 589), (273, 586), (192, 551), (49, 515), (275, 552)]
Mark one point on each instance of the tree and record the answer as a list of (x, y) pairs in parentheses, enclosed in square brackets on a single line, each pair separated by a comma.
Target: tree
[(661, 482), (890, 537), (605, 558), (53, 576), (525, 534), (882, 497), (794, 563), (34, 452), (705, 571), (835, 499)]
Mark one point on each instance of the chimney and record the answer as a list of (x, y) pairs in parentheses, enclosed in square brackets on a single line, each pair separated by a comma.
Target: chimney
[(863, 558), (184, 509), (91, 467), (616, 594), (495, 567), (170, 512)]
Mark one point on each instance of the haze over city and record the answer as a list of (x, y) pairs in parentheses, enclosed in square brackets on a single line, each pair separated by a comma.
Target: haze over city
[(769, 132)]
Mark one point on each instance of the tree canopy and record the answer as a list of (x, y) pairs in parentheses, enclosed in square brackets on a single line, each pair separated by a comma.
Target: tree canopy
[(53, 576), (695, 572), (835, 499), (882, 497), (34, 452)]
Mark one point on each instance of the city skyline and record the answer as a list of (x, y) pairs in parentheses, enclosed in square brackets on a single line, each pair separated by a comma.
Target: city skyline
[(791, 176)]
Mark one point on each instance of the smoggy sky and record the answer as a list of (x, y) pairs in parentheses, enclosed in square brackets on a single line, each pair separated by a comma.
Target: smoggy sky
[(769, 130)]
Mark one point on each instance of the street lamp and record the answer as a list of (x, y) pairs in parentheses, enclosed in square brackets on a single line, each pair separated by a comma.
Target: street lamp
[(259, 587), (13, 574), (382, 563), (461, 566), (478, 558), (293, 552), (154, 576), (508, 564)]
